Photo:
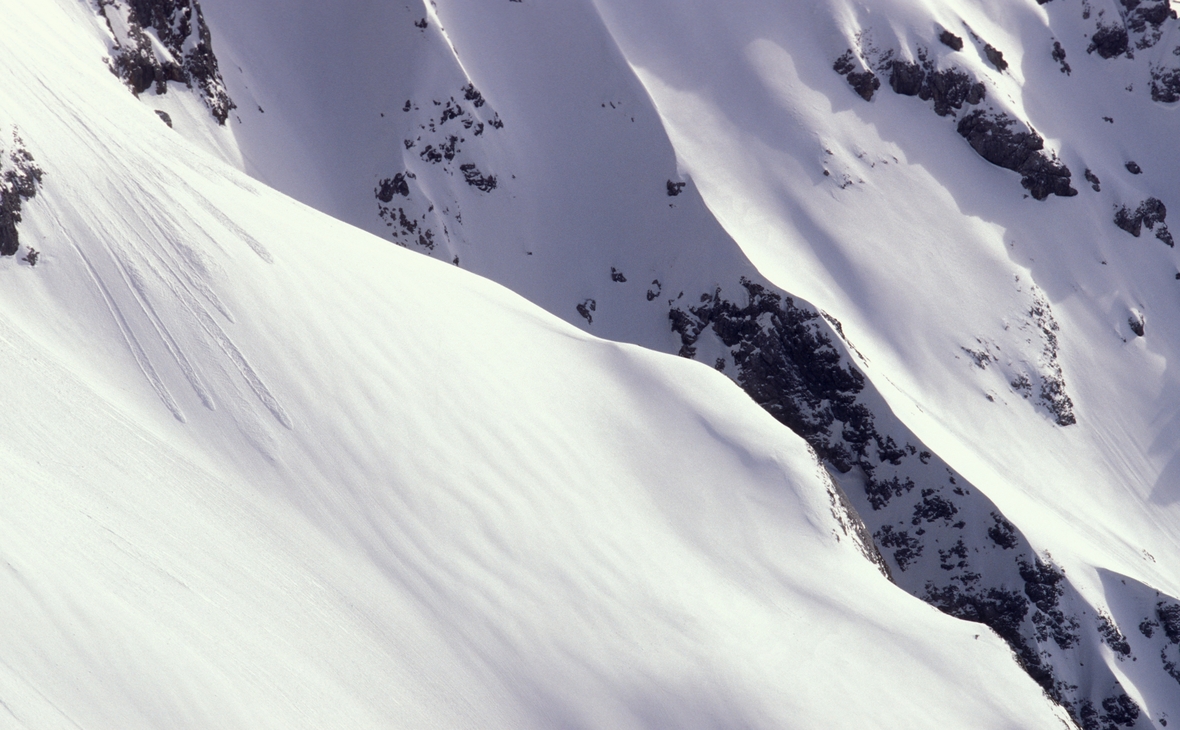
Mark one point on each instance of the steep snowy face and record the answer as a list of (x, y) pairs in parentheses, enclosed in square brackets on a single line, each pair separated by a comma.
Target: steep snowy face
[(955, 184)]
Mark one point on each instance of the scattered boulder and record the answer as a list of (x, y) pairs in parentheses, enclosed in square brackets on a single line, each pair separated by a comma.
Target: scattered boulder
[(164, 117), (1133, 168), (1093, 180), (675, 188)]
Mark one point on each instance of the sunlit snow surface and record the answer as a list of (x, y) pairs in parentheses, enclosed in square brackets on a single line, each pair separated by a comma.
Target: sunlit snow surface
[(262, 469)]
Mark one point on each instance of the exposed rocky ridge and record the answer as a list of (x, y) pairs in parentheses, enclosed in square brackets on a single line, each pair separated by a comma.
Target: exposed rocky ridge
[(941, 539), (19, 179), (183, 54), (991, 134)]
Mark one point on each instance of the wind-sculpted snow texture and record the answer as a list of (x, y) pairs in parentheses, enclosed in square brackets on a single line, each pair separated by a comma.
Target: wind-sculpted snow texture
[(993, 326), (157, 41)]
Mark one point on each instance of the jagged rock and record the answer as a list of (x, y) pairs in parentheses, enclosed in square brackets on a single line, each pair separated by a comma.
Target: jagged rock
[(1093, 180), (617, 276), (950, 40), (165, 117), (992, 137), (1109, 41), (675, 188), (995, 57)]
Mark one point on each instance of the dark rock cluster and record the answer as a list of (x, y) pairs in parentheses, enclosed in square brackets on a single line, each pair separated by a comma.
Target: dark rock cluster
[(789, 366), (1021, 150), (180, 27), (442, 140), (18, 183), (940, 539)]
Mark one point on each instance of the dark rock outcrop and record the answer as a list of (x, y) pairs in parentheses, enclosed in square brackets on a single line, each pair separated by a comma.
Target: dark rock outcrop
[(995, 57), (1165, 85), (1058, 55), (992, 136), (950, 40), (1109, 41), (865, 83), (187, 58), (950, 89), (1151, 213)]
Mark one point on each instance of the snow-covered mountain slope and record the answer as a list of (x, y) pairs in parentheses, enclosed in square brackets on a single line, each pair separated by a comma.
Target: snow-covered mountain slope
[(998, 312), (263, 469)]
